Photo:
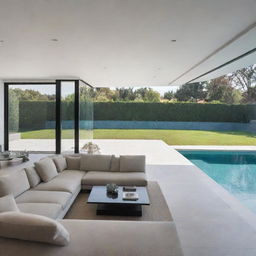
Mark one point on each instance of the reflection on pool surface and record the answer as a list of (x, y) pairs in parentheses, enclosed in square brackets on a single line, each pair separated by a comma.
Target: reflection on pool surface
[(234, 170)]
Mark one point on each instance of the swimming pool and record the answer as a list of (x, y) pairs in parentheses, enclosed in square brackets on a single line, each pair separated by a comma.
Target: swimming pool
[(234, 170)]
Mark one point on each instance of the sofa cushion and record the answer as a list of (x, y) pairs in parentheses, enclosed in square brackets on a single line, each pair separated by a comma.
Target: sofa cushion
[(33, 177), (7, 204), (33, 227), (73, 162), (119, 178), (48, 210), (91, 162), (55, 197), (60, 162), (115, 164), (68, 180), (72, 174), (132, 163), (46, 169), (15, 183)]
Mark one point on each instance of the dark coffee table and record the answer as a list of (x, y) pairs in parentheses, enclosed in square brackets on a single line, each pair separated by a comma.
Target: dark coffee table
[(117, 206)]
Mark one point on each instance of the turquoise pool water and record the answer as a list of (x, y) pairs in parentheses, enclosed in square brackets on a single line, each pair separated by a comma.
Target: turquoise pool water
[(234, 170)]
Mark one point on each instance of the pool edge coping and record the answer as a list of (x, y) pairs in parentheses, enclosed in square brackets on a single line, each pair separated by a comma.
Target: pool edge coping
[(213, 148)]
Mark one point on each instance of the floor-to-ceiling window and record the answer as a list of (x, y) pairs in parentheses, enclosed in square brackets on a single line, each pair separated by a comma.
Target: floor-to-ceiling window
[(86, 114), (31, 118), (48, 117), (67, 116)]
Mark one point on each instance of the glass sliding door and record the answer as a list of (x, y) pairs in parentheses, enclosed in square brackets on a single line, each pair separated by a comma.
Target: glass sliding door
[(31, 117), (67, 116), (86, 114), (48, 117)]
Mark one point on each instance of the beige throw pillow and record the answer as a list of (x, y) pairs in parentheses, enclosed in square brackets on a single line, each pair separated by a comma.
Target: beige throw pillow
[(33, 177), (73, 162), (46, 169), (115, 164), (15, 183), (7, 204), (134, 163), (60, 162), (95, 162), (31, 227)]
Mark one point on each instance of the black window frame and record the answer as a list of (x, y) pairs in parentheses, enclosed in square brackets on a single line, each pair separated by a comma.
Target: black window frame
[(58, 118)]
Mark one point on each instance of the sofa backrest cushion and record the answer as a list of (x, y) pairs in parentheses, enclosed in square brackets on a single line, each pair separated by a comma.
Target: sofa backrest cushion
[(46, 169), (33, 177), (60, 162), (73, 162), (7, 204), (115, 164), (131, 163), (91, 162), (33, 227), (15, 183)]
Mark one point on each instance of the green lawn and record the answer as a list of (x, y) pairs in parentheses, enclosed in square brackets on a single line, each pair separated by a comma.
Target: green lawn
[(171, 137)]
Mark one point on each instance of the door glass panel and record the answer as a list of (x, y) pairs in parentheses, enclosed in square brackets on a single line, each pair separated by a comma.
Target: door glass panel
[(67, 114), (32, 117), (86, 114)]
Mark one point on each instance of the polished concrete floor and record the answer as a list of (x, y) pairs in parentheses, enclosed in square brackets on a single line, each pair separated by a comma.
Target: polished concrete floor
[(209, 220)]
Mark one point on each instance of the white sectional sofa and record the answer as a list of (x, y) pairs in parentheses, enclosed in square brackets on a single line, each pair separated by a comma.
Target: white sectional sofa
[(50, 188), (53, 197)]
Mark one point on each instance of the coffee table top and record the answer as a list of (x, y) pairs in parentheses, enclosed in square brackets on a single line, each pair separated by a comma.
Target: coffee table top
[(98, 195)]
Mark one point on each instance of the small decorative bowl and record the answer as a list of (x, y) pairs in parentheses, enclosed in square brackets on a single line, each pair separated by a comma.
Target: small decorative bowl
[(112, 188)]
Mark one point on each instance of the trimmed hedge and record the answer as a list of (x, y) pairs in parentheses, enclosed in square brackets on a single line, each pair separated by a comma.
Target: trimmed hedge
[(184, 112), (34, 114)]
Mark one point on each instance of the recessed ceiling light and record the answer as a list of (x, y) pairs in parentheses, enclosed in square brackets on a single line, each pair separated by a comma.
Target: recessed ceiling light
[(173, 40), (54, 40)]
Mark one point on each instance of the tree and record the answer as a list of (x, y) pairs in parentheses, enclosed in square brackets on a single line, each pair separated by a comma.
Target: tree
[(147, 94), (126, 94), (220, 89), (141, 93), (168, 95), (191, 92), (30, 94), (151, 96), (104, 94), (245, 80), (250, 95)]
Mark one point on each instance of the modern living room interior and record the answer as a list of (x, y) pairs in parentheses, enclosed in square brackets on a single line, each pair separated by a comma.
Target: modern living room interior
[(77, 195)]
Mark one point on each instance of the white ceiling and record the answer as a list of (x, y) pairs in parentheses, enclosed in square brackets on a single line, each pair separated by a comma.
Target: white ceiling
[(123, 42)]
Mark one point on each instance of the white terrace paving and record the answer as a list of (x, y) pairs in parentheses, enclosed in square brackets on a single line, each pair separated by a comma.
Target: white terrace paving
[(209, 220), (156, 150)]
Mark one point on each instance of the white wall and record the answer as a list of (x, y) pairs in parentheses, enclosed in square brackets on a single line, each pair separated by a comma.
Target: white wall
[(1, 113)]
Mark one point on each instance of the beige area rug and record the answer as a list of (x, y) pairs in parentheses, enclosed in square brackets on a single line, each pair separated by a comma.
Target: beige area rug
[(156, 211)]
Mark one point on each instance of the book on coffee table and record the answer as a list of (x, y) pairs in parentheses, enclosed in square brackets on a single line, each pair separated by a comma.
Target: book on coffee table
[(129, 188), (131, 196)]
